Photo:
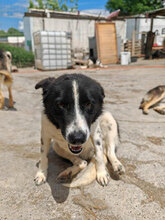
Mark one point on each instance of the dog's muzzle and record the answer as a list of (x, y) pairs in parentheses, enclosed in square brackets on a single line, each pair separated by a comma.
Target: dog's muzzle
[(76, 139)]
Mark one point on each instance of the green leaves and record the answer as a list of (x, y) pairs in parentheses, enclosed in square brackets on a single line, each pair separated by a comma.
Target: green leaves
[(132, 7), (58, 5), (20, 57), (11, 32)]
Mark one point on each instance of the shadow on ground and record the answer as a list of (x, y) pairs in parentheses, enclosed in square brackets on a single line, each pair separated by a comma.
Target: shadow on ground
[(57, 165), (6, 106)]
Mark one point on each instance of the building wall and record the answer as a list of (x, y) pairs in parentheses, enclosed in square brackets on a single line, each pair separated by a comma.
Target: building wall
[(121, 35), (121, 29), (130, 27), (83, 30), (28, 33), (143, 25), (16, 39), (13, 40), (158, 24)]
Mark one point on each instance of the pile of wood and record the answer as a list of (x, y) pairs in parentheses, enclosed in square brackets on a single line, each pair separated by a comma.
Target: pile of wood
[(135, 48)]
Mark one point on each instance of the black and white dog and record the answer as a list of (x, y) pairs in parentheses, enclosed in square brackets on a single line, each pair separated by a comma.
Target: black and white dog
[(73, 117)]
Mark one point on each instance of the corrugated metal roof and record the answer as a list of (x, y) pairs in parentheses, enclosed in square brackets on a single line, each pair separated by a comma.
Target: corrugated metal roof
[(60, 14)]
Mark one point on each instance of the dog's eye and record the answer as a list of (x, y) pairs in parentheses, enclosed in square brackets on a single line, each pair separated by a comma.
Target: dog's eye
[(60, 105), (88, 105), (63, 105)]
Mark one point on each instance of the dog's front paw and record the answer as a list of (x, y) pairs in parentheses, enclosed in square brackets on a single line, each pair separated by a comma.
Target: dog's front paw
[(145, 112), (40, 178), (103, 177), (118, 168)]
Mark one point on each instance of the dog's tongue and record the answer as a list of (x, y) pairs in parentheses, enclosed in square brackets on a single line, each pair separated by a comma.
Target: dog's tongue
[(75, 148)]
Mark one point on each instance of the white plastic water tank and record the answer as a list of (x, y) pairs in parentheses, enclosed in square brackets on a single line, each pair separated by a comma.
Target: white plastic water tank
[(125, 58), (52, 50)]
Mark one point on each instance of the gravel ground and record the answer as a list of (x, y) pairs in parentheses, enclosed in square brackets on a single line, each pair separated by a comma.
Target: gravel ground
[(139, 194)]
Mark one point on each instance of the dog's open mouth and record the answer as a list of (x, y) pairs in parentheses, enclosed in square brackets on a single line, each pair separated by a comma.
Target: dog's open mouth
[(75, 149)]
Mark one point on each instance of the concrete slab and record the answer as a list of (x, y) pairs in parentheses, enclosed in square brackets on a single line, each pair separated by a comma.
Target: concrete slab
[(139, 194)]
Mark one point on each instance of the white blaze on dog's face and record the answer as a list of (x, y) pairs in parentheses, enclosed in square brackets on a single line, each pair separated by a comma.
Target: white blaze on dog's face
[(77, 132), (72, 103)]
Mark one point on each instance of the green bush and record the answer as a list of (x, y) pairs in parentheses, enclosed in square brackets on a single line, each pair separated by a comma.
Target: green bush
[(20, 57)]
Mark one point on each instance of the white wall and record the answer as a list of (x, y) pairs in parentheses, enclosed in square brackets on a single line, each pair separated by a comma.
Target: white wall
[(16, 39), (81, 29), (143, 25), (158, 24)]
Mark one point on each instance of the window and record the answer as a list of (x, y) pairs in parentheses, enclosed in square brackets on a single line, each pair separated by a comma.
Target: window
[(163, 30)]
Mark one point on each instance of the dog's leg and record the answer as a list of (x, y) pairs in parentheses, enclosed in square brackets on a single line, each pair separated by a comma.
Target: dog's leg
[(160, 109), (43, 165), (101, 170), (10, 98), (78, 164), (110, 136), (116, 164), (111, 141), (2, 101), (151, 102)]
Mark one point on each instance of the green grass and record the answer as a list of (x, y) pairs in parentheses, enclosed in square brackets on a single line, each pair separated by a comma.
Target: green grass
[(20, 57)]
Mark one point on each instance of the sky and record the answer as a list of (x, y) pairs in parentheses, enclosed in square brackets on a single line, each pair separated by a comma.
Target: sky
[(12, 11)]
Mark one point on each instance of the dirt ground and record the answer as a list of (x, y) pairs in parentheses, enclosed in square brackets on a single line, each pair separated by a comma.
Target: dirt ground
[(139, 194)]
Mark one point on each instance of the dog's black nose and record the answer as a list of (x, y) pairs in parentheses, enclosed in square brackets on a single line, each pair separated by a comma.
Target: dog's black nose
[(77, 138)]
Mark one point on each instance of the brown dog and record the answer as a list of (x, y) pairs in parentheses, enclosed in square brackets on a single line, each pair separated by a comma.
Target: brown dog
[(154, 98), (5, 76)]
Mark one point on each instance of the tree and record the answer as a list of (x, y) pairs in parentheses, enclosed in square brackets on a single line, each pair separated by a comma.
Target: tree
[(14, 32), (31, 4), (10, 32), (3, 33), (132, 7), (58, 5)]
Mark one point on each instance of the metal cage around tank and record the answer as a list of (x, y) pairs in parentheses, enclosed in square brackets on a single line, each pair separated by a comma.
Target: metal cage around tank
[(52, 50)]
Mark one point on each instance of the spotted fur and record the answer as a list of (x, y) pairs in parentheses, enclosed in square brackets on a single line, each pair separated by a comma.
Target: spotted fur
[(73, 117)]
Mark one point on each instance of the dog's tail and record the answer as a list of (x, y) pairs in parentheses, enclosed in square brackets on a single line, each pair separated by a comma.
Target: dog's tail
[(86, 176)]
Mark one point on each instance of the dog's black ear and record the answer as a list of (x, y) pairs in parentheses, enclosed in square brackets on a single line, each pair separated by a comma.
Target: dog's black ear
[(102, 93), (45, 83)]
